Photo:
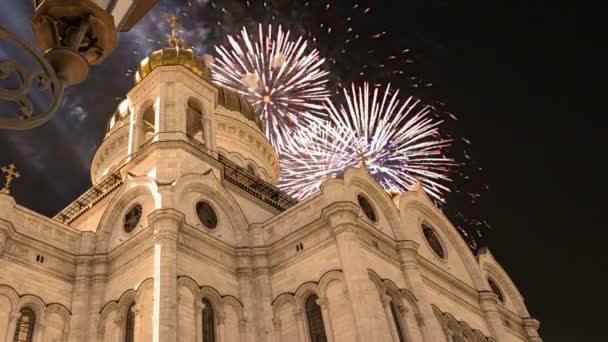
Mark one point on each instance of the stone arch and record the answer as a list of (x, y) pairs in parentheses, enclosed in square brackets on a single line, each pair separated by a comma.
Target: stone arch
[(11, 295), (490, 267), (424, 210), (196, 119), (327, 279), (137, 121), (133, 188), (190, 284), (214, 297), (34, 303), (360, 178), (304, 291), (209, 185), (65, 316), (236, 304)]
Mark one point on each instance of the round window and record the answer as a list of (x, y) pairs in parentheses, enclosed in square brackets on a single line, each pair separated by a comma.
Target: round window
[(433, 240), (206, 214), (496, 290), (367, 208), (132, 217)]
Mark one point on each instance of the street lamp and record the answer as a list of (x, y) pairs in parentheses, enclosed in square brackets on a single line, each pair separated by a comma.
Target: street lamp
[(74, 34)]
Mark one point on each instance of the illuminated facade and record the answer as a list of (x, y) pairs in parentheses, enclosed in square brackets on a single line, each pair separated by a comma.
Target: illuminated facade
[(184, 237)]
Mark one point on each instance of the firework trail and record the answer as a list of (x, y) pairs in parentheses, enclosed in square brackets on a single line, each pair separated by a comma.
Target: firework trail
[(281, 77), (398, 141)]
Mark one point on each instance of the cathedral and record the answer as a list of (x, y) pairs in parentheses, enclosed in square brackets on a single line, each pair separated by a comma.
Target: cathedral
[(185, 237)]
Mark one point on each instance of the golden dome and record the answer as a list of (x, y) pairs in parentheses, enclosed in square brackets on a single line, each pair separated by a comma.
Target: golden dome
[(173, 56)]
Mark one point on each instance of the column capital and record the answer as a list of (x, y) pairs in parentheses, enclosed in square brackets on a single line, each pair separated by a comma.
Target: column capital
[(386, 300), (3, 240), (488, 298), (221, 318), (15, 315), (408, 246), (277, 323), (340, 214), (322, 302), (531, 323), (199, 305), (168, 214)]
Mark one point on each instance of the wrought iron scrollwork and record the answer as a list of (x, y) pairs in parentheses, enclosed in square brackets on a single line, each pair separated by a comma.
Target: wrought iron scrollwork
[(44, 79)]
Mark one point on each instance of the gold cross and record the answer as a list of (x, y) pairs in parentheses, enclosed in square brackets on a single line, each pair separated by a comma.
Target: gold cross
[(172, 20), (10, 173), (363, 158)]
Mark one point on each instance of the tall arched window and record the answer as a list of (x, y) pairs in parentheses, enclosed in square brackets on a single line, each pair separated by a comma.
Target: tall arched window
[(208, 322), (315, 320), (24, 332), (194, 120), (149, 123), (397, 322), (130, 324)]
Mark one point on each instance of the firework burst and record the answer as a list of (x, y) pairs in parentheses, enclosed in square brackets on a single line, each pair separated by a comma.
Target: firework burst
[(281, 77), (399, 142)]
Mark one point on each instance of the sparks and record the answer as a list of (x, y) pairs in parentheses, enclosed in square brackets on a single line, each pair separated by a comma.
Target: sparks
[(399, 141), (281, 77)]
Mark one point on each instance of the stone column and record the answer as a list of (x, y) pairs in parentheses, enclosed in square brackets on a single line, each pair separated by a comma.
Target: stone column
[(362, 292), (165, 224), (221, 327), (488, 303), (3, 240), (96, 293), (137, 312), (408, 257), (80, 299), (329, 330), (13, 317), (39, 330), (302, 331), (412, 327), (198, 319), (278, 336), (243, 330), (244, 274), (386, 303), (262, 280), (531, 329)]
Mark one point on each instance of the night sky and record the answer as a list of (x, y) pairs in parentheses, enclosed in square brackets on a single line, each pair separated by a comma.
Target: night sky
[(507, 69)]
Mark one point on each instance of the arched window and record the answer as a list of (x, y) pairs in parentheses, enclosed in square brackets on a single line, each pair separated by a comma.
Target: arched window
[(149, 123), (208, 322), (315, 320), (24, 331), (251, 169), (194, 120), (130, 324), (397, 322)]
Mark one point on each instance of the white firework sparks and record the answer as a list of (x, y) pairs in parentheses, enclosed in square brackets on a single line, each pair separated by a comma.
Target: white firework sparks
[(282, 78), (399, 142)]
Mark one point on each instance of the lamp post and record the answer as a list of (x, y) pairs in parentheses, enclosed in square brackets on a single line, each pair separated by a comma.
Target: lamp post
[(74, 34)]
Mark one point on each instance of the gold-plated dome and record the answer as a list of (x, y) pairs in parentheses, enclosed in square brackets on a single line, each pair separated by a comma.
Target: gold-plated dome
[(173, 56), (176, 55)]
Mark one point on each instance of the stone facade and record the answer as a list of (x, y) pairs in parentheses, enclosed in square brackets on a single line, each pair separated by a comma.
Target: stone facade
[(84, 276)]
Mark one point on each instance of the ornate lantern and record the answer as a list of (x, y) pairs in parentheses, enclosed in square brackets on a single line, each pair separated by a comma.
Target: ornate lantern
[(74, 34)]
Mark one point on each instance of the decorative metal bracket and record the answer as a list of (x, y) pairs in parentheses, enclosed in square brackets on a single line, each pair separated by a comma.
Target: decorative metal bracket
[(45, 79)]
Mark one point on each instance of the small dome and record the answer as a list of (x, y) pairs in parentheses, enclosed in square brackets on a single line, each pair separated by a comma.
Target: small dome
[(228, 99), (173, 56)]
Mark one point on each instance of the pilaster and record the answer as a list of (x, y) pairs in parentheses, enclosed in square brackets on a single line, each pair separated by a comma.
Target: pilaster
[(363, 294), (408, 258), (329, 330), (531, 329), (99, 269), (12, 326), (244, 272), (488, 303), (165, 224)]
